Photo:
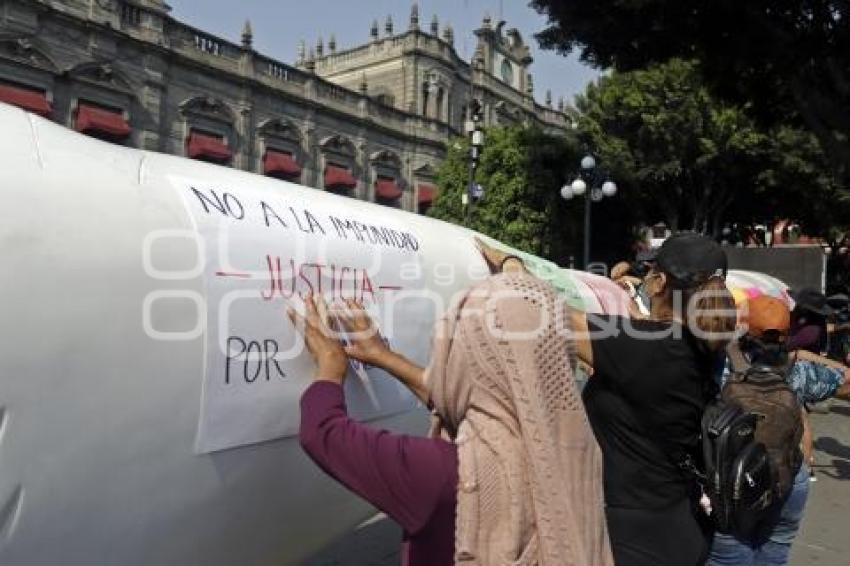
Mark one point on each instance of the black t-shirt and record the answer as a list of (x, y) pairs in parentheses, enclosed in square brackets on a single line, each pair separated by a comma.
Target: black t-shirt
[(645, 402)]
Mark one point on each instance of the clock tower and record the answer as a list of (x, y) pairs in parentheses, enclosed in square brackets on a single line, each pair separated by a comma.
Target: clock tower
[(505, 54)]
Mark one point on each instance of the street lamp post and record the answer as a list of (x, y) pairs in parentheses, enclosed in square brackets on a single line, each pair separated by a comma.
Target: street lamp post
[(600, 187), (476, 143)]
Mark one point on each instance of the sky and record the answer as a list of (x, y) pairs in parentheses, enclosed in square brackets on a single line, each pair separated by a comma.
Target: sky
[(279, 25)]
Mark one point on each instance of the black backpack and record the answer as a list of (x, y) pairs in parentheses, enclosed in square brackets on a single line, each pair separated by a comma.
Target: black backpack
[(751, 446)]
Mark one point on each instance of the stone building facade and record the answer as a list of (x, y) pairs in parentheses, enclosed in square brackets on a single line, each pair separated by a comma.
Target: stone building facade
[(370, 122)]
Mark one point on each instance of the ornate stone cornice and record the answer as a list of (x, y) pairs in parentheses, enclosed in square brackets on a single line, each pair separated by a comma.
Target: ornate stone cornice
[(24, 50), (102, 73), (207, 106), (280, 128), (426, 171), (386, 158), (339, 145)]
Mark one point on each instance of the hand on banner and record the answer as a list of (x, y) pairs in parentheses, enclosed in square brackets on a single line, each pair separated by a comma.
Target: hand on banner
[(497, 260), (321, 341), (366, 344)]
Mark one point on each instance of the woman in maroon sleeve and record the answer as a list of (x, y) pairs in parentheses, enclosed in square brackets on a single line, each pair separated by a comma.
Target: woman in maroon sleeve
[(520, 479)]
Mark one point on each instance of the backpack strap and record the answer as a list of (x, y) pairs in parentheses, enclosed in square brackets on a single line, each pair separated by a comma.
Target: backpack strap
[(737, 360), (742, 368)]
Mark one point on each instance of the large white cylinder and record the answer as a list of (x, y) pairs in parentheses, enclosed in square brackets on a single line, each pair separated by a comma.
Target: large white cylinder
[(119, 442)]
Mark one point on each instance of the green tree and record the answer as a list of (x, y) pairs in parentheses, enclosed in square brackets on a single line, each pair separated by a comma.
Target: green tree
[(521, 170), (780, 59), (679, 156), (685, 158), (797, 183)]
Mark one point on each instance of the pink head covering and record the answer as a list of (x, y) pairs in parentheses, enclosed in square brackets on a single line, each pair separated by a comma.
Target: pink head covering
[(530, 470)]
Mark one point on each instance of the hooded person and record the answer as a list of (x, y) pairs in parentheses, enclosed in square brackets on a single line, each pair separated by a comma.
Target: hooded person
[(530, 470), (513, 474)]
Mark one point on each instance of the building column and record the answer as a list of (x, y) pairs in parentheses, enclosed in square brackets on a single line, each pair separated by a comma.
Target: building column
[(361, 158), (313, 165), (244, 156)]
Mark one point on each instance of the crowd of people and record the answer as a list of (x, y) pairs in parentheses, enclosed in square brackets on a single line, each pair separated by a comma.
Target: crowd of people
[(525, 466)]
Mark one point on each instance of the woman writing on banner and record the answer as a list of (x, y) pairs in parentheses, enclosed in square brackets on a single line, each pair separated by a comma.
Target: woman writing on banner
[(515, 476)]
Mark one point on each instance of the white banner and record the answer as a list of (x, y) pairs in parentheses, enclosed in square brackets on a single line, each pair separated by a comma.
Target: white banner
[(264, 251)]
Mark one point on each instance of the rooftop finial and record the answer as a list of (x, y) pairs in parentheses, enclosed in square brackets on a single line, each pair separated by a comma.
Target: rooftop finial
[(549, 98), (488, 21), (388, 26), (364, 84), (247, 35), (435, 26), (320, 48), (310, 64), (530, 85), (560, 104), (414, 16), (449, 34), (302, 51), (332, 44), (373, 31)]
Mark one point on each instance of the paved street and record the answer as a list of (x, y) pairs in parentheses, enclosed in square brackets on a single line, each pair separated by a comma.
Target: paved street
[(823, 541)]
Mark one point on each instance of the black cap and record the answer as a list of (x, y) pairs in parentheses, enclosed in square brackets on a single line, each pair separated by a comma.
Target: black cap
[(811, 300), (691, 259)]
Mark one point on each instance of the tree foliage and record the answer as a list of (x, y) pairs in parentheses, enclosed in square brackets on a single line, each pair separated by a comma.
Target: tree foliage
[(685, 158), (679, 156), (521, 170), (781, 59), (676, 152), (796, 182)]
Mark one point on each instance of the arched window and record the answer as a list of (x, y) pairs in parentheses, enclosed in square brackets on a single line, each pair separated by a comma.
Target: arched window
[(279, 145), (340, 165), (438, 111)]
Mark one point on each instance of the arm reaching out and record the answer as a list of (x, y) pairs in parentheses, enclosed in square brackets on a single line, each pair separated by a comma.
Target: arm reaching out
[(405, 371), (501, 262), (823, 368), (368, 347)]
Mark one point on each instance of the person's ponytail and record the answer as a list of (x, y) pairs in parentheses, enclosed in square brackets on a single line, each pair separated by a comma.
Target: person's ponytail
[(711, 314)]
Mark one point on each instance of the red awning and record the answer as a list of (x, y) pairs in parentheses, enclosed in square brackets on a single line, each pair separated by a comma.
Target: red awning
[(427, 193), (27, 98), (280, 164), (338, 177), (208, 146), (99, 120), (387, 188)]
